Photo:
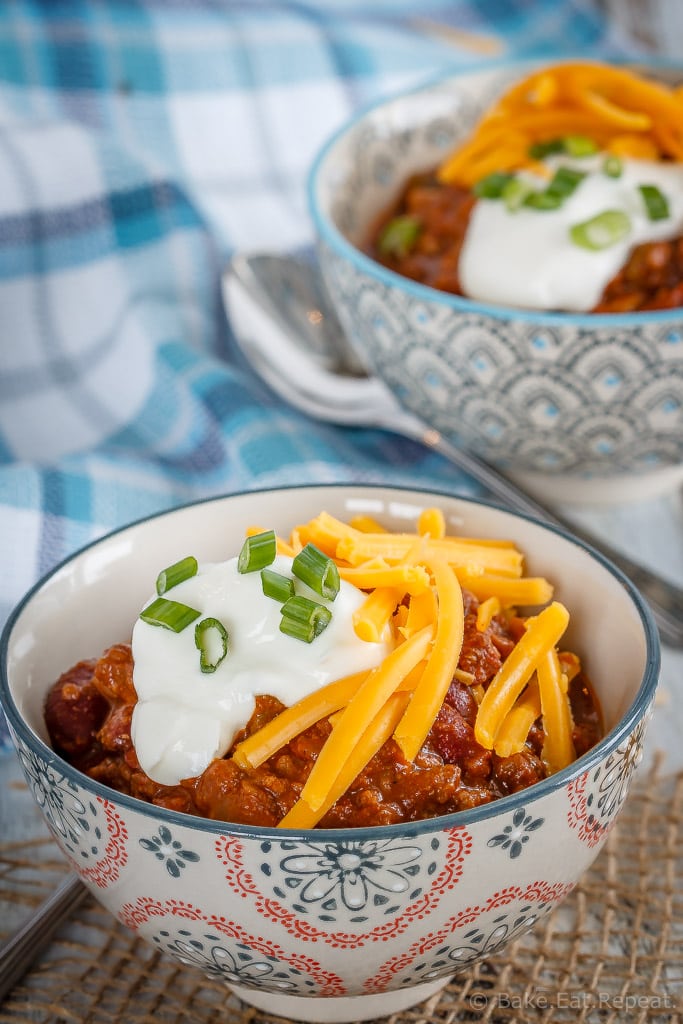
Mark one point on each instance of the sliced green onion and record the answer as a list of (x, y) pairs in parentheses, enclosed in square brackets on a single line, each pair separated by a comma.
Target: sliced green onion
[(277, 586), (169, 614), (257, 552), (540, 150), (656, 203), (304, 619), (572, 145), (317, 571), (211, 640), (579, 145), (514, 194), (564, 181), (602, 231), (543, 200), (176, 573), (399, 236), (491, 187), (613, 166)]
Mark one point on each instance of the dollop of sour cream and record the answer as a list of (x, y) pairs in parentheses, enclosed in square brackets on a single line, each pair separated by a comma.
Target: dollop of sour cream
[(526, 258), (184, 718)]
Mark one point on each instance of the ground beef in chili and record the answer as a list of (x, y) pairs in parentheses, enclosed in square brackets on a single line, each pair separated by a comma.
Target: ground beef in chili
[(88, 714), (652, 277)]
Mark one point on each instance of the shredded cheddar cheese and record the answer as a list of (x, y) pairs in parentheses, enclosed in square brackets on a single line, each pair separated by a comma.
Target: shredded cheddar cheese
[(622, 111), (430, 691), (431, 523), (394, 547), (367, 702), (420, 612), (512, 735), (414, 594), (302, 815), (371, 619), (486, 611), (366, 524), (542, 634), (271, 737), (558, 749), (523, 591)]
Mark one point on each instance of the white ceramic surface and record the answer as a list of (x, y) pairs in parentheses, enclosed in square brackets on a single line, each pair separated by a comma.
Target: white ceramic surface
[(585, 407), (327, 925)]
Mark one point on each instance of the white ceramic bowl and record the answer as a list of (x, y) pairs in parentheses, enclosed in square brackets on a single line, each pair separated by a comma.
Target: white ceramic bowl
[(327, 925), (578, 407)]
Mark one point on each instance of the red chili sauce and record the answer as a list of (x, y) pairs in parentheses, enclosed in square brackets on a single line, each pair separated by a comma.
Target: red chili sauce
[(88, 714), (652, 277)]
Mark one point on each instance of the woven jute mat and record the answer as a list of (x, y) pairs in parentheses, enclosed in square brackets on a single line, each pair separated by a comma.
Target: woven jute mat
[(612, 952)]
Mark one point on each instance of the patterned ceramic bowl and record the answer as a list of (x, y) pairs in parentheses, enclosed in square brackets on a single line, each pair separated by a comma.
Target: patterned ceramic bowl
[(576, 406), (327, 925)]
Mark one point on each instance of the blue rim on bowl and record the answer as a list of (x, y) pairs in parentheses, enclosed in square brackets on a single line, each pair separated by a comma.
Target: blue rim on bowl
[(608, 743), (330, 234)]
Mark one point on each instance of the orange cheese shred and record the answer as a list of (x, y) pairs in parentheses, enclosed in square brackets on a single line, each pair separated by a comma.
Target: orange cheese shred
[(486, 611), (512, 735), (372, 618), (366, 524), (604, 102), (542, 634), (396, 547), (431, 523), (528, 590), (558, 748), (373, 738), (429, 693), (422, 610), (262, 744), (363, 706), (413, 579)]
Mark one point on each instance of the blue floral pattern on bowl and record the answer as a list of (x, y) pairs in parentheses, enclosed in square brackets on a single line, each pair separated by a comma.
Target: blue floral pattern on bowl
[(517, 833), (170, 851)]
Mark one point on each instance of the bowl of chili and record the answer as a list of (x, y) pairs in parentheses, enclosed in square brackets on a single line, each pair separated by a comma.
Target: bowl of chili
[(504, 247), (340, 854)]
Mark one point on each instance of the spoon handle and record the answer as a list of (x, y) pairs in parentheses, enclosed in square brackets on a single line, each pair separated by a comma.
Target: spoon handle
[(20, 950), (665, 599)]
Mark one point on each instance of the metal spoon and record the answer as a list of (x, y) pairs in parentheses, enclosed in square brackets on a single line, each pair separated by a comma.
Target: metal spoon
[(286, 329), (20, 950)]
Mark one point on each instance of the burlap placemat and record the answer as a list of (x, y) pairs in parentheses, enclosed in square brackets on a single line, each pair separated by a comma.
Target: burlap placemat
[(612, 952)]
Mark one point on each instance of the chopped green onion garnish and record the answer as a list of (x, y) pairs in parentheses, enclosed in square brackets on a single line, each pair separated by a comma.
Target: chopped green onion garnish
[(543, 200), (612, 166), (514, 193), (257, 552), (491, 187), (564, 181), (572, 145), (602, 231), (579, 145), (169, 614), (562, 184), (656, 204), (304, 619), (176, 573), (318, 571), (399, 236), (540, 150), (211, 640), (277, 586)]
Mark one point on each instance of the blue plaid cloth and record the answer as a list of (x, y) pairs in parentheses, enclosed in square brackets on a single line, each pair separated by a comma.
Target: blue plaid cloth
[(141, 143)]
